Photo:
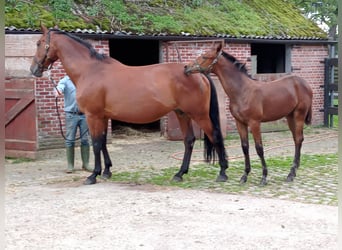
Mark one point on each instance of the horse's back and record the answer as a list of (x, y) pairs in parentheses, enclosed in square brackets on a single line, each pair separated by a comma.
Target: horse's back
[(292, 83), (280, 97), (302, 88)]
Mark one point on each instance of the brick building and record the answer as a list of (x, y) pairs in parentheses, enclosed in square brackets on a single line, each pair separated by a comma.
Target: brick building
[(37, 127)]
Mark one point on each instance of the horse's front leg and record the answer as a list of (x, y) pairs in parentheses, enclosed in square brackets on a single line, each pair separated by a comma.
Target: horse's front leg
[(108, 163), (97, 147), (243, 132), (97, 128), (189, 140), (255, 128)]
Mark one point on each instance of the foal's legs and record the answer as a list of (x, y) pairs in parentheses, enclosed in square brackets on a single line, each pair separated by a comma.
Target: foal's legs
[(189, 140), (296, 125), (243, 132), (255, 128)]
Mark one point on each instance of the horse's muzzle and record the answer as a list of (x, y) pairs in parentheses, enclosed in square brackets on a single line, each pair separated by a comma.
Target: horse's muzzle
[(187, 70), (36, 70)]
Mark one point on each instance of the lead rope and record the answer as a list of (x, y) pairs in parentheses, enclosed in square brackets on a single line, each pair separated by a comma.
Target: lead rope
[(58, 114)]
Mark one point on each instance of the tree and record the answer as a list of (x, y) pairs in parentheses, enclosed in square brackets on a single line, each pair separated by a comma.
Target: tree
[(322, 12)]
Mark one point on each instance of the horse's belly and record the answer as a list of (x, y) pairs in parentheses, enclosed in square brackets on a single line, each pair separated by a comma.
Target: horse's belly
[(276, 112), (137, 113)]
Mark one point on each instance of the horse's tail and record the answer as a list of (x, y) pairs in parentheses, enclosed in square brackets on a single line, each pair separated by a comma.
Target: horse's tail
[(214, 114), (308, 92), (308, 116)]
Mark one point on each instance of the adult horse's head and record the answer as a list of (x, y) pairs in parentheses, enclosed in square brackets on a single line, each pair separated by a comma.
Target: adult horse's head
[(45, 53), (205, 62)]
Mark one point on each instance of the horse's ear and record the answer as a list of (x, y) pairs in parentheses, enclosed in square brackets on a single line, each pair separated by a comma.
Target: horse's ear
[(43, 28), (56, 27), (219, 47)]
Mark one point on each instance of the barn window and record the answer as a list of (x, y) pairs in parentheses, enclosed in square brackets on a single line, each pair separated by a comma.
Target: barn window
[(271, 58)]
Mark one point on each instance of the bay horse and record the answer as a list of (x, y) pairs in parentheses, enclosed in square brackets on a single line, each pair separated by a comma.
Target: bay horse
[(107, 89), (253, 102)]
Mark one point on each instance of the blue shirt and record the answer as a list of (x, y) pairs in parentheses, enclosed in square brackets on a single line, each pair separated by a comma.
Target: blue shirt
[(67, 87)]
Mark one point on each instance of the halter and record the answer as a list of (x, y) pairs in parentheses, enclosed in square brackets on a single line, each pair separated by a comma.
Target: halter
[(210, 66), (47, 47)]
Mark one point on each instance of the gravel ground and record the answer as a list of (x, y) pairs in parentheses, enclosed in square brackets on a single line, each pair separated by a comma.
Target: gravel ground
[(48, 209)]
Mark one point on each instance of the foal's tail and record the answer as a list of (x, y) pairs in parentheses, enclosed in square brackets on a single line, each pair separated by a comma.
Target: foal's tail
[(214, 114)]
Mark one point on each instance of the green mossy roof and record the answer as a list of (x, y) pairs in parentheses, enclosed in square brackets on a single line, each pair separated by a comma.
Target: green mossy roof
[(238, 18)]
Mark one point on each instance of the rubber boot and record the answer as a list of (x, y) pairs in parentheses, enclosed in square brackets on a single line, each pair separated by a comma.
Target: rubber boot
[(85, 158), (70, 152)]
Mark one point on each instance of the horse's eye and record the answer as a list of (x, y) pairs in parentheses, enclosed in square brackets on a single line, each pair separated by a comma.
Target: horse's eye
[(38, 43)]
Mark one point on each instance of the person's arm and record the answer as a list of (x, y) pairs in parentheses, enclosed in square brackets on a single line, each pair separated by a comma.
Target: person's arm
[(59, 89), (57, 92)]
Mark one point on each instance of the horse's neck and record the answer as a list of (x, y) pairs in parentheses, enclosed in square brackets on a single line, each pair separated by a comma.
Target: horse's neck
[(233, 81), (74, 57)]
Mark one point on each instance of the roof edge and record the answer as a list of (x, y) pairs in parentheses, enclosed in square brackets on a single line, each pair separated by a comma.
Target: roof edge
[(187, 37)]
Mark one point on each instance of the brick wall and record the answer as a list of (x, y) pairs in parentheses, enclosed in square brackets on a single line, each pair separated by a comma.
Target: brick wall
[(307, 62)]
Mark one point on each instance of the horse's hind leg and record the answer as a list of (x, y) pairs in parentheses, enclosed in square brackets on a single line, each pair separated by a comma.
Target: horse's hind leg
[(214, 134), (221, 152), (296, 126), (243, 132), (218, 142), (189, 140), (108, 163)]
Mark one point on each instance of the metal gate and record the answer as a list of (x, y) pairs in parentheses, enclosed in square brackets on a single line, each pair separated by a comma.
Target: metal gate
[(330, 90)]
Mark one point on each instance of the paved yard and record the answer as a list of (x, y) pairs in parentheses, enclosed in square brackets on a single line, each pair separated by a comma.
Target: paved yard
[(48, 209)]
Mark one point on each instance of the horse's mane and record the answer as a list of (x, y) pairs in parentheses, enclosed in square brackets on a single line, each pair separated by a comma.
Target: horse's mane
[(93, 52), (239, 65)]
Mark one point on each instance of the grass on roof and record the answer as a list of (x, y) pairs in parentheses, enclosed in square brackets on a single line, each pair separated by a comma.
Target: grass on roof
[(196, 17)]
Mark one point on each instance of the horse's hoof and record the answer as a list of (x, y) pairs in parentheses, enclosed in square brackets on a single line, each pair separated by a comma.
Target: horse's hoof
[(107, 175), (89, 181), (243, 179), (222, 178), (290, 178), (263, 182), (177, 178)]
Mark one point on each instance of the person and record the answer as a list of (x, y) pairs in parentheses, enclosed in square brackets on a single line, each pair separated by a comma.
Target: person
[(73, 119)]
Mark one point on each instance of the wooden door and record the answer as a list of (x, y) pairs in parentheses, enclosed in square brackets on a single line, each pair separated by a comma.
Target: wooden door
[(20, 118)]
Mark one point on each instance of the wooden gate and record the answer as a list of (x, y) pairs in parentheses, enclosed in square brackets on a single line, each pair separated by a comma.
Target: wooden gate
[(330, 90), (20, 118)]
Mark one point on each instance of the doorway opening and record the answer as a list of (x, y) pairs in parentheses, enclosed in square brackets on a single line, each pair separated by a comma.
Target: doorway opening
[(134, 52), (270, 57)]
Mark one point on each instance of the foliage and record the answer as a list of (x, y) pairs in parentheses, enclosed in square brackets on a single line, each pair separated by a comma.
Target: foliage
[(58, 8), (323, 11), (14, 160), (196, 17)]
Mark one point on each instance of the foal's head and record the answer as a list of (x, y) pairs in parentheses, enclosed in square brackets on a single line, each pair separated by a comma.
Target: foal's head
[(205, 62)]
